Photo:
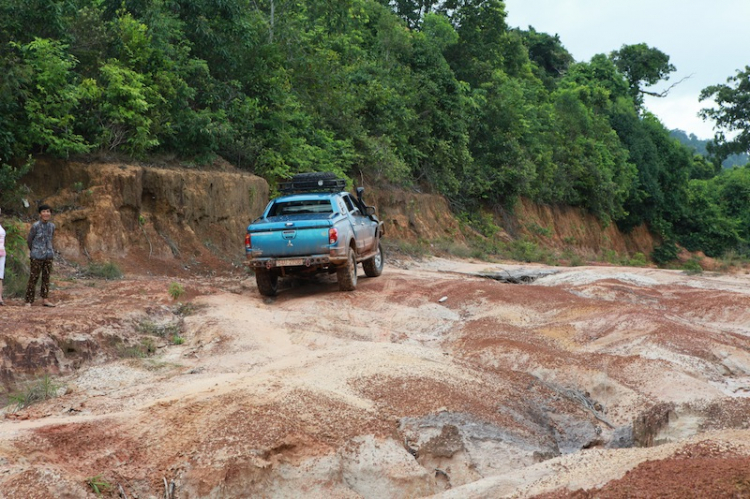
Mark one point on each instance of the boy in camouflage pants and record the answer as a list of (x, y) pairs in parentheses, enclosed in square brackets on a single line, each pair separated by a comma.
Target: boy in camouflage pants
[(41, 254)]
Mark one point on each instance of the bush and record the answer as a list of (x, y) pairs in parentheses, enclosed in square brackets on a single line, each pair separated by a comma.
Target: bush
[(692, 267), (144, 349), (665, 253), (16, 262), (104, 270), (176, 290), (37, 391), (638, 260)]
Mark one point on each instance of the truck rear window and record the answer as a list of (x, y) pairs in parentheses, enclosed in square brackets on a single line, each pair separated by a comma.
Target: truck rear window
[(300, 207)]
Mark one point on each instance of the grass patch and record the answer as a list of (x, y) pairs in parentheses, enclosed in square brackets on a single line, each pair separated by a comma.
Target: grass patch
[(37, 391), (452, 247), (733, 259), (147, 326), (692, 267), (102, 270), (98, 484), (185, 309), (538, 230), (145, 348), (418, 249), (528, 251), (638, 260), (573, 258)]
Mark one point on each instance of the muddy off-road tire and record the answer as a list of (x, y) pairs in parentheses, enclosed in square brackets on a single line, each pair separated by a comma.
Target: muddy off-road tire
[(347, 274), (374, 266), (268, 282)]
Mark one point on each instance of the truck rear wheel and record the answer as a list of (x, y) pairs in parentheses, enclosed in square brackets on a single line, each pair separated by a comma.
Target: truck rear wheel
[(267, 281), (347, 274), (374, 266)]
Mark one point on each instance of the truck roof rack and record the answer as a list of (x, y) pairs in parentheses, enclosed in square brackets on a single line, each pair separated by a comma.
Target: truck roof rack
[(313, 182)]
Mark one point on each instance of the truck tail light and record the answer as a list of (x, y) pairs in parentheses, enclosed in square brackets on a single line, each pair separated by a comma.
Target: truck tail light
[(248, 244), (333, 235)]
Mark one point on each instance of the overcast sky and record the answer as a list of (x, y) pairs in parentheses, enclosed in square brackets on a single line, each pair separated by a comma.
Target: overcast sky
[(706, 41)]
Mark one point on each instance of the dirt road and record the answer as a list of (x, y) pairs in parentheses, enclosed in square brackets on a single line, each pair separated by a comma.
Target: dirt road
[(430, 380)]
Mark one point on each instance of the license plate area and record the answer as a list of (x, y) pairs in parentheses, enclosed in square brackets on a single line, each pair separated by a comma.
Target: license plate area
[(290, 262)]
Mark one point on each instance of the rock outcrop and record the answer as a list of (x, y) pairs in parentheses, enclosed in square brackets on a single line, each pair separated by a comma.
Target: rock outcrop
[(108, 211)]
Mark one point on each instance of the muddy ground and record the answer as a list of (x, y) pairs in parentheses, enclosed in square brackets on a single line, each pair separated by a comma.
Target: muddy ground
[(437, 379)]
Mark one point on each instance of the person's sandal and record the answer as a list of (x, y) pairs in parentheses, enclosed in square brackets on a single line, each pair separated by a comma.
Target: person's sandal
[(49, 304)]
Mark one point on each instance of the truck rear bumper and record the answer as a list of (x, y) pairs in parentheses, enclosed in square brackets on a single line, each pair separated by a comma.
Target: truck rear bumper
[(306, 261)]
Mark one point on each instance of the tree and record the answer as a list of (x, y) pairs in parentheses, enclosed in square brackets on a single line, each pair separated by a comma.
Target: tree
[(642, 66), (548, 53), (51, 99), (485, 43), (731, 115), (411, 11)]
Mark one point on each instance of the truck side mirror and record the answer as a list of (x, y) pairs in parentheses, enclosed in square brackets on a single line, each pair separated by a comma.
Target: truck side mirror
[(369, 210)]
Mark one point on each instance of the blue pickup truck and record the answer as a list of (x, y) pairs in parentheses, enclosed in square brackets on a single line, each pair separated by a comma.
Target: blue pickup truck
[(315, 226)]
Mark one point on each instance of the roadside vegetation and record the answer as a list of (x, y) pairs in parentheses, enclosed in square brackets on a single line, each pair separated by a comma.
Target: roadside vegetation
[(433, 96), (34, 391)]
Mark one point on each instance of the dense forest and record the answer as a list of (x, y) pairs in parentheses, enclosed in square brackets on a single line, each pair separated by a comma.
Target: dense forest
[(701, 146), (440, 96)]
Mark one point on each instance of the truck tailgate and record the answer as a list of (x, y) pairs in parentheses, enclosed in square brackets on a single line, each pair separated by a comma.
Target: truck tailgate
[(291, 238)]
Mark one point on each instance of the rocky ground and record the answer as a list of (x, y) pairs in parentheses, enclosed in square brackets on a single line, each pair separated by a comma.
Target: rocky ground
[(441, 378)]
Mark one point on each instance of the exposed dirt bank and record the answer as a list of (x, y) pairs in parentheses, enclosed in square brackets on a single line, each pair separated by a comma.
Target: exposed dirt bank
[(426, 381), (166, 219)]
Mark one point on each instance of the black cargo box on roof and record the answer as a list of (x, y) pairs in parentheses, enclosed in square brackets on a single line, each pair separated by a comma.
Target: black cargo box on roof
[(313, 182)]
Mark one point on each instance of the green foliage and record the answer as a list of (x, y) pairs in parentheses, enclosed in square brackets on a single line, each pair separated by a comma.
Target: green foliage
[(638, 260), (123, 111), (642, 66), (9, 176), (526, 251), (102, 270), (98, 484), (16, 261), (144, 349), (433, 96), (665, 252), (701, 146), (573, 259), (731, 114), (37, 391), (715, 224), (547, 52), (175, 290), (52, 98), (482, 222), (418, 249), (538, 230), (163, 330), (737, 258), (692, 267), (593, 168), (185, 309)]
